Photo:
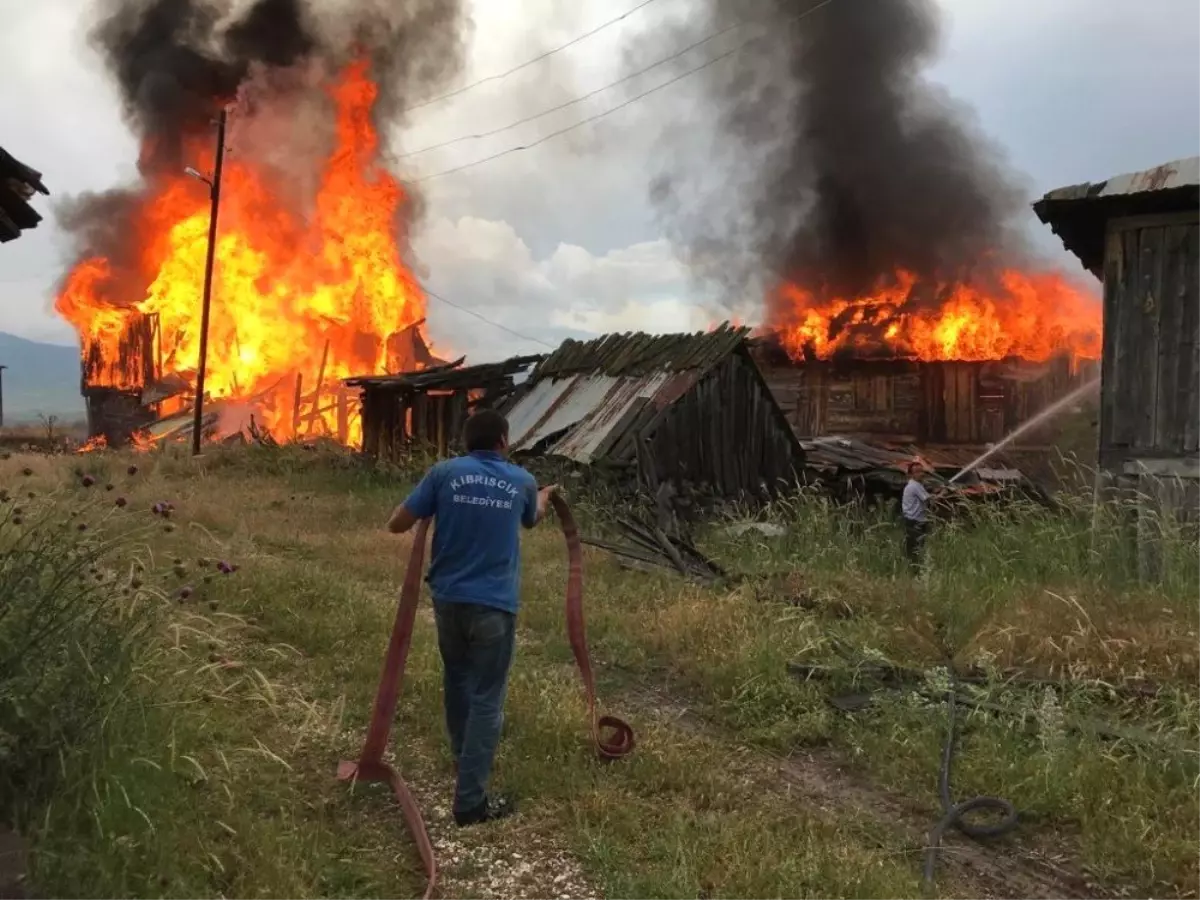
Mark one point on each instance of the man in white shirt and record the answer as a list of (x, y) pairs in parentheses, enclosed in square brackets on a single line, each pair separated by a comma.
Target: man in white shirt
[(914, 504)]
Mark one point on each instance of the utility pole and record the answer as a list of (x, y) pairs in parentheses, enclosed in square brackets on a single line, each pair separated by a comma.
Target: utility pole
[(2, 368), (214, 190)]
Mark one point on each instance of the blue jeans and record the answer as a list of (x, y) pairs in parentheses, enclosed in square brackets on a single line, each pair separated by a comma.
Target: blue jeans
[(476, 643)]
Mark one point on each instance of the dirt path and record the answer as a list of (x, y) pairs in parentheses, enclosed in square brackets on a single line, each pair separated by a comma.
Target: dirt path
[(1001, 869)]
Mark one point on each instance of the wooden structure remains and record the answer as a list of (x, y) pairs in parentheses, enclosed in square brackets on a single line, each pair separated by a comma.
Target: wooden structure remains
[(1140, 234), (128, 383), (427, 409), (675, 411), (903, 401), (18, 184), (116, 415)]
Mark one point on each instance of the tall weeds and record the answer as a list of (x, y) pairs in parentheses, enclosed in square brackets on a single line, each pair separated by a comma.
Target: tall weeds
[(74, 613)]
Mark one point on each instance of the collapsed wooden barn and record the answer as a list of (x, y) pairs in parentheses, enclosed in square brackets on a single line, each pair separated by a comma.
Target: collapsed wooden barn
[(924, 403), (129, 392), (678, 409), (426, 409), (1140, 234)]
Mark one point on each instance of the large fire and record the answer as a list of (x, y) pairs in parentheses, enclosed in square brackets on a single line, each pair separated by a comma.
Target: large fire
[(1032, 316), (299, 300)]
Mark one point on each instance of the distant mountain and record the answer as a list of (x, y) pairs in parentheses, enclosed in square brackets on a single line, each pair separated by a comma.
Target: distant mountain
[(39, 380)]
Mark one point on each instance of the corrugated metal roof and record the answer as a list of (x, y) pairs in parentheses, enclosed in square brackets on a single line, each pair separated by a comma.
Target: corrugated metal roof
[(553, 405), (448, 375), (618, 412), (1079, 214), (597, 411), (1178, 174), (852, 455)]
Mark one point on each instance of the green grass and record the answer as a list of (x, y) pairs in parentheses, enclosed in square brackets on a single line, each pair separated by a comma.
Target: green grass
[(215, 775)]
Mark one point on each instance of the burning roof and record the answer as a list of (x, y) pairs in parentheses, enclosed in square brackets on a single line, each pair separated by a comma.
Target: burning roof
[(18, 183), (877, 219), (1010, 313)]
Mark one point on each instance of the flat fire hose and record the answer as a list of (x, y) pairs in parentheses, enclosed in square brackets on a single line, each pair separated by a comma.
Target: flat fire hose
[(612, 737)]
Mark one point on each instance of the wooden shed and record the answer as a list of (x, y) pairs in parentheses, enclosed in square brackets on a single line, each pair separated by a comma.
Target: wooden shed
[(1140, 234), (18, 184), (673, 410), (904, 401), (426, 409)]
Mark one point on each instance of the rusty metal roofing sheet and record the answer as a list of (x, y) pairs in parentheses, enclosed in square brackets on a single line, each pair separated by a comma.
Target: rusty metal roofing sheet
[(552, 405), (1168, 176), (618, 410), (594, 410), (1079, 214)]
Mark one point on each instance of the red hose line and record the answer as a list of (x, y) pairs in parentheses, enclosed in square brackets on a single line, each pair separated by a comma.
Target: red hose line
[(613, 737)]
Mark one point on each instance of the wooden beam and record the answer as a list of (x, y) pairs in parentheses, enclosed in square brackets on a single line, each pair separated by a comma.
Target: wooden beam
[(316, 402), (296, 405), (1156, 220), (1164, 468), (343, 416)]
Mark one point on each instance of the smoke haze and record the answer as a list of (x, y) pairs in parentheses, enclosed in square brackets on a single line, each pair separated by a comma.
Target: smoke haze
[(837, 162), (176, 62)]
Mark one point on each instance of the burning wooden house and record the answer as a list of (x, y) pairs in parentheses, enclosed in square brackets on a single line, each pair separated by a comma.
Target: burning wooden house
[(677, 409), (915, 361), (129, 397), (426, 409), (928, 403), (310, 282), (1140, 234)]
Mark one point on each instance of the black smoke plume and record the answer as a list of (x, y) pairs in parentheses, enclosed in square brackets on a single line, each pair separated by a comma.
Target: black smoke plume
[(838, 162), (177, 62)]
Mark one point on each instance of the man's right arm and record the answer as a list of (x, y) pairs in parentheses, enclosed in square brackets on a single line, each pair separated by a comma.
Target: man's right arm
[(537, 503), (420, 504)]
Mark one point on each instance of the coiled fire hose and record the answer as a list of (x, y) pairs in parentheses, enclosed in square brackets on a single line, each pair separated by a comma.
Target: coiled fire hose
[(613, 738), (953, 814)]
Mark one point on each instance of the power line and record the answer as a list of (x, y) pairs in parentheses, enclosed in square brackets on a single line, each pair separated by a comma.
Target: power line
[(485, 319), (536, 59), (620, 106), (587, 96)]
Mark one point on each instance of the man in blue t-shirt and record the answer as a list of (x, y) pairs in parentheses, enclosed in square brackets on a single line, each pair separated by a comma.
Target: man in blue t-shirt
[(476, 502)]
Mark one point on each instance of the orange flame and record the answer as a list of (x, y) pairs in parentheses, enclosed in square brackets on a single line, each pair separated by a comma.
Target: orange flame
[(92, 444), (306, 299), (1033, 316)]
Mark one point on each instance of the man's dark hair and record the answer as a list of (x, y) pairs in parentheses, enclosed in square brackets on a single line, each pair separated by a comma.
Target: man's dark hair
[(485, 430)]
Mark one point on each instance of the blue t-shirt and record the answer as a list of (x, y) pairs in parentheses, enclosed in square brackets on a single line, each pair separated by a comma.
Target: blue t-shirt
[(477, 502)]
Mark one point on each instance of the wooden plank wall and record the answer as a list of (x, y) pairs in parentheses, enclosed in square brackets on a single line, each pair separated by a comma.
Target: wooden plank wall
[(869, 398), (1150, 394), (395, 422), (969, 403), (725, 432), (116, 415), (136, 362)]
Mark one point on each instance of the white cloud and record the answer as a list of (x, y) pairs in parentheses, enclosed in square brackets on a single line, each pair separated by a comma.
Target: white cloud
[(562, 236), (486, 267)]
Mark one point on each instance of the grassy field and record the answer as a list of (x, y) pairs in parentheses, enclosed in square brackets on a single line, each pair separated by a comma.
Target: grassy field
[(208, 769)]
